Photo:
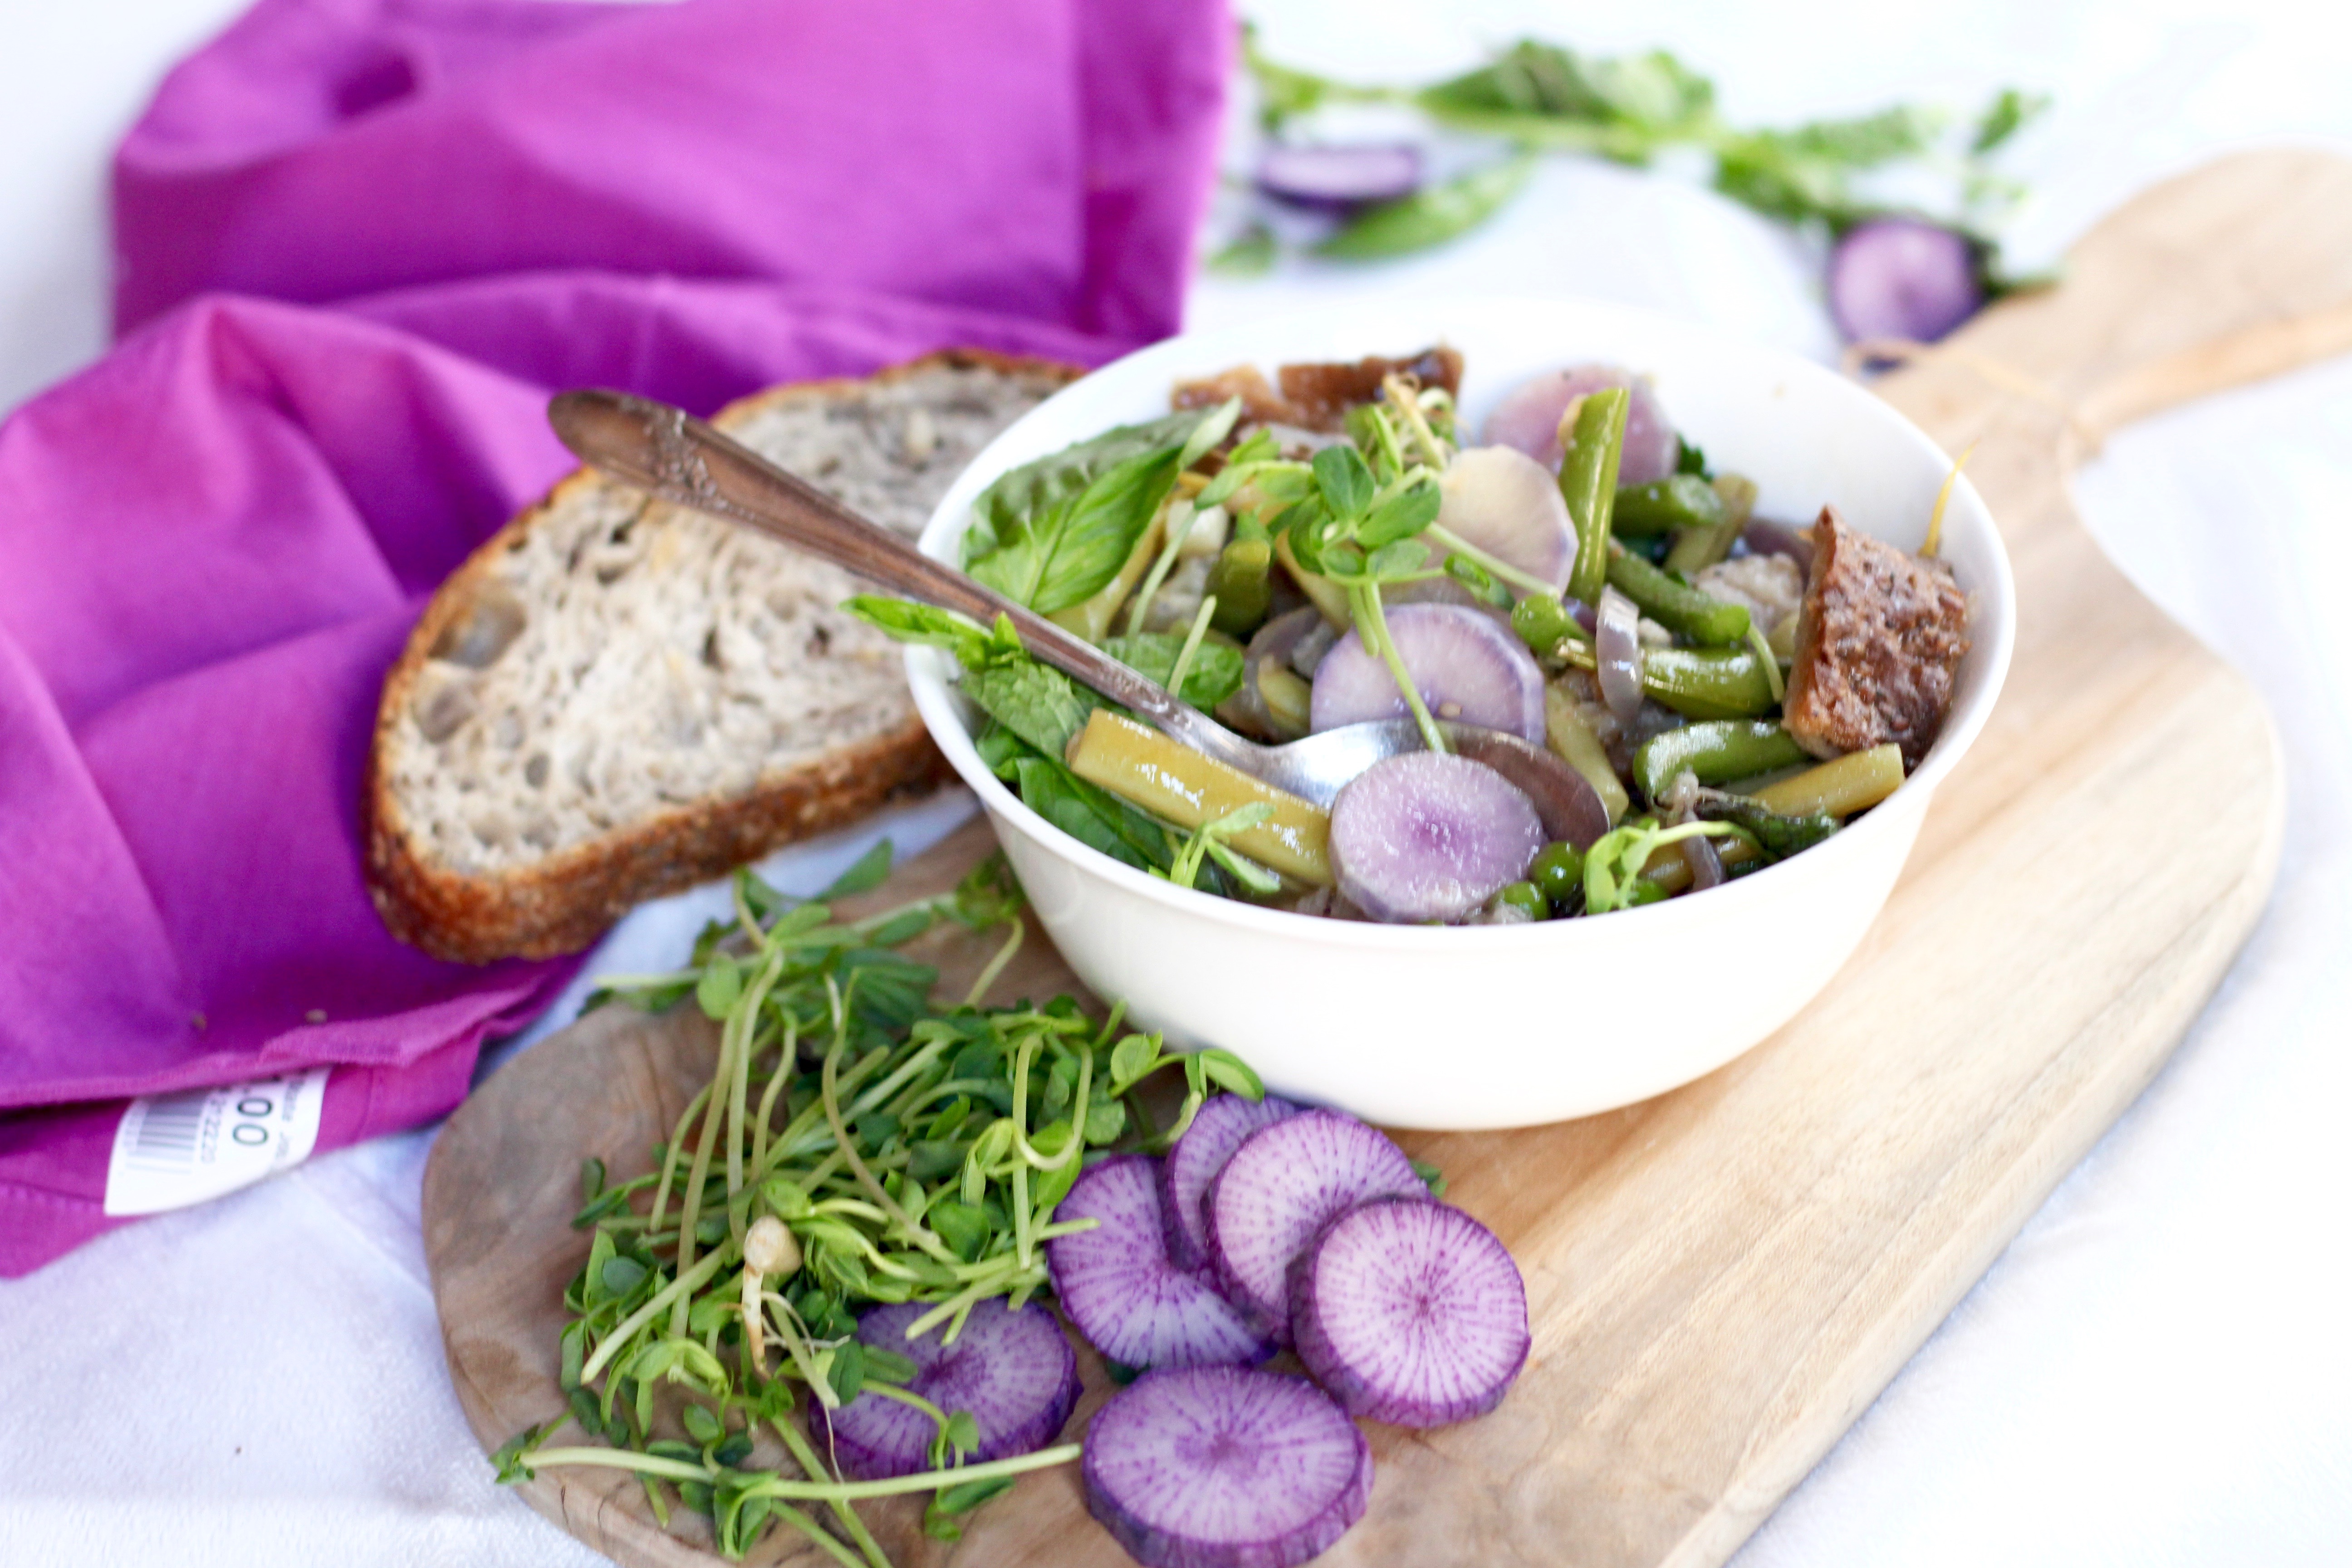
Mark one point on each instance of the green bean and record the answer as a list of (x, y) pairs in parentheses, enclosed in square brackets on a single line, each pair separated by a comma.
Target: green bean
[(1588, 483), (1716, 750), (1675, 605), (1242, 583), (1431, 216), (1853, 783), (1696, 549), (1707, 682), (1683, 500)]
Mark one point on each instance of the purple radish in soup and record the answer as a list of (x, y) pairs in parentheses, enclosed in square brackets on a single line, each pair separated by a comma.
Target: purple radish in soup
[(1430, 836), (1220, 1467), (1467, 665), (1280, 1186), (1899, 278), (1410, 1312), (1529, 418), (1118, 1287), (1217, 1130), (1013, 1370), (1338, 179), (1505, 503)]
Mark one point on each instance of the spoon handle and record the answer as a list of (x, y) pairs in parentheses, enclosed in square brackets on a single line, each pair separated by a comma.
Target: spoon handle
[(677, 457)]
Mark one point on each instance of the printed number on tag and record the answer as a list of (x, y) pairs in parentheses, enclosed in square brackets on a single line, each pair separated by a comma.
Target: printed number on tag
[(174, 1149)]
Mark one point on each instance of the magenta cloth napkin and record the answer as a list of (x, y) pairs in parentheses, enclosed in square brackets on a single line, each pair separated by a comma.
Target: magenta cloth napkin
[(216, 538)]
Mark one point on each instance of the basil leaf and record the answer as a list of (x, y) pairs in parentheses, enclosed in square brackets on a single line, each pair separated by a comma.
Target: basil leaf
[(1214, 428), (1037, 487), (903, 620), (1431, 216), (1092, 816), (1214, 675)]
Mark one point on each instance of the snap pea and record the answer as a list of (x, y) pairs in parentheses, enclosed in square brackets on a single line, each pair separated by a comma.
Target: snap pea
[(1716, 750), (1707, 682), (1242, 581), (1675, 605), (1695, 548), (1680, 500), (1591, 444), (1840, 788)]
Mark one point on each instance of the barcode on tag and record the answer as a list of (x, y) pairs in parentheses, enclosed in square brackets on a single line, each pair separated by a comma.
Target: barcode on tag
[(174, 1149)]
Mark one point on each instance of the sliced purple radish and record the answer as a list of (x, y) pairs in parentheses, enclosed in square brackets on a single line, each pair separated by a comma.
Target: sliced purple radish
[(1505, 503), (1410, 1312), (1013, 1370), (1280, 1186), (1430, 836), (1529, 418), (1899, 278), (1339, 179), (1117, 1285), (1220, 1467), (1217, 1130), (1467, 665)]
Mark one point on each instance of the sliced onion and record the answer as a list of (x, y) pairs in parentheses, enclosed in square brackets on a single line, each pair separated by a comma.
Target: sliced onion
[(1617, 652), (1706, 865), (1779, 539), (1282, 640)]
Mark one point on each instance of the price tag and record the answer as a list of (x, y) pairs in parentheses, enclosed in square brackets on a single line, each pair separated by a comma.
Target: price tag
[(174, 1149)]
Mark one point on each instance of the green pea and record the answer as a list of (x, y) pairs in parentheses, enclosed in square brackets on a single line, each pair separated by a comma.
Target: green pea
[(1541, 623), (1527, 896), (1557, 872)]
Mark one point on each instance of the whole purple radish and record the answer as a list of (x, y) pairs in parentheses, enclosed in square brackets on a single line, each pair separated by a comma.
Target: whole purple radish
[(1339, 179), (1430, 836), (1280, 1188), (1221, 1467), (1217, 1130), (1410, 1312), (1466, 664), (1899, 278), (1118, 1287), (1013, 1370), (1529, 418), (1500, 500)]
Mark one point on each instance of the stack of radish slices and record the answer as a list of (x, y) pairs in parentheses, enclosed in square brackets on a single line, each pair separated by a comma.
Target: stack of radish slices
[(1267, 1226)]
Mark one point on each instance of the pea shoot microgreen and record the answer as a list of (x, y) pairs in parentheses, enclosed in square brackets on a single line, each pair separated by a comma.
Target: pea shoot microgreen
[(1612, 866), (858, 1142)]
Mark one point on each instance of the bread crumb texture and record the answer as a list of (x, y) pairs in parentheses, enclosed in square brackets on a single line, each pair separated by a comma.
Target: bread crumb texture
[(610, 657)]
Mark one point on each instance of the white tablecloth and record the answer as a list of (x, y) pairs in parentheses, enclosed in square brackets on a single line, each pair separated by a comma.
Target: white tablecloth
[(2154, 1373)]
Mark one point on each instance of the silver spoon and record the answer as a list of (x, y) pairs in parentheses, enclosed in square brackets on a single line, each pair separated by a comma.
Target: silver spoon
[(677, 457)]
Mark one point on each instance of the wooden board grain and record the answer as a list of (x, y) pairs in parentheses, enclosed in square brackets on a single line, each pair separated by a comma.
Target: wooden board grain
[(1721, 1278)]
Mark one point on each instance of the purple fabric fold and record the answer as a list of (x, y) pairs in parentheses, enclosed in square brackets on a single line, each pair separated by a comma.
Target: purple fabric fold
[(218, 536)]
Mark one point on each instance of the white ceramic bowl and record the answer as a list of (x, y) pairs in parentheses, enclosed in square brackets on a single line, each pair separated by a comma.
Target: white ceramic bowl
[(1505, 1026)]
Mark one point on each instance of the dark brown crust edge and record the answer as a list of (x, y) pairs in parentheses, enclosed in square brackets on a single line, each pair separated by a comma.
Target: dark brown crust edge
[(563, 902)]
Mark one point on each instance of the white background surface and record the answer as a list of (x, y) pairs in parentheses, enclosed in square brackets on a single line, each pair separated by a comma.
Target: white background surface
[(2156, 1372)]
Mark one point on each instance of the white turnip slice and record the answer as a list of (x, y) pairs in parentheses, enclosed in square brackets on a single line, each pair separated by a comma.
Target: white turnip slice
[(1410, 1312), (1222, 1467), (1430, 836), (1280, 1186), (1899, 278), (1467, 666), (1217, 1130), (1011, 1371), (1505, 503), (1119, 1287), (1529, 418)]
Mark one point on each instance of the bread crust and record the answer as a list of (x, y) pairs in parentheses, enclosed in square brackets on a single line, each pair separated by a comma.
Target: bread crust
[(563, 901)]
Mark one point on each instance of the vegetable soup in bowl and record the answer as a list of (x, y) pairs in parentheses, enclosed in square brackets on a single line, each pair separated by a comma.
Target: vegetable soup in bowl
[(1750, 605)]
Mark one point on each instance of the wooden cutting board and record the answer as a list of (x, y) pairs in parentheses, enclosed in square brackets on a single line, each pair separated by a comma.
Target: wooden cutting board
[(1721, 1278)]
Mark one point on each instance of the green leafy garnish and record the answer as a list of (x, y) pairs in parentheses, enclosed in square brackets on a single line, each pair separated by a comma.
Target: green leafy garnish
[(1612, 866), (1431, 216)]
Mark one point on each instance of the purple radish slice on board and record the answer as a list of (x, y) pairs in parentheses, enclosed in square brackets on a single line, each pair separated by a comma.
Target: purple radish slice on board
[(1430, 836), (1509, 505), (1467, 665), (1410, 1312), (1217, 1130), (1013, 1370), (1899, 278), (1118, 1287), (1338, 179), (1215, 1467), (1529, 418), (1280, 1187)]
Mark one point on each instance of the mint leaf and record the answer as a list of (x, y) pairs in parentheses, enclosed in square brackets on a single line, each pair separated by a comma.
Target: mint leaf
[(1215, 673), (903, 620), (1041, 705)]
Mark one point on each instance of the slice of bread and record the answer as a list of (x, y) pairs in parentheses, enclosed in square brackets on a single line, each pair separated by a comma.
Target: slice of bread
[(616, 697)]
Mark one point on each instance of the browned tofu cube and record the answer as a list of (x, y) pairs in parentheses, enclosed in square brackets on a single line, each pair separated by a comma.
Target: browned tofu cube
[(1879, 642)]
